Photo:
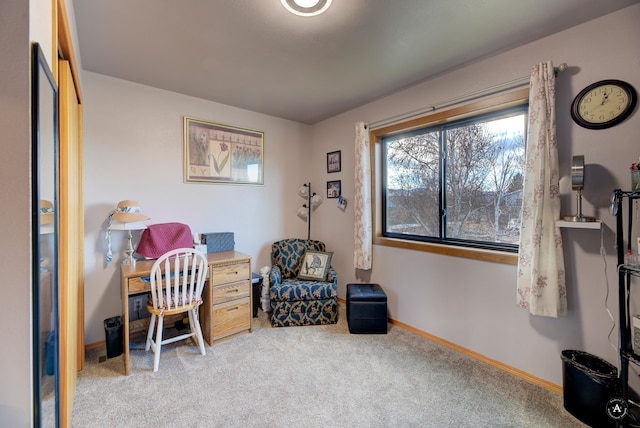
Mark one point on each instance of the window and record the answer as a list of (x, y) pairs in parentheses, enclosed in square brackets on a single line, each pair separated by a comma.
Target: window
[(455, 179)]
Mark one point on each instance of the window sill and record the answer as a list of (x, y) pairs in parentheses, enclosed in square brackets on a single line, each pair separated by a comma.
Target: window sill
[(450, 250)]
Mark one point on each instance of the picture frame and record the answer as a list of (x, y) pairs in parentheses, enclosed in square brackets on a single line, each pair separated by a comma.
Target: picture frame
[(315, 265), (342, 203), (334, 189), (217, 153), (334, 162)]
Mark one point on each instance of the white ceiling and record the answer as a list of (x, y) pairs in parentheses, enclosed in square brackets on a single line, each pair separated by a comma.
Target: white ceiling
[(255, 55)]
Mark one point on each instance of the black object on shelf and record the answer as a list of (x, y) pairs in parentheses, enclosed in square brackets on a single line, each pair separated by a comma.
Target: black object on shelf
[(113, 336), (589, 382)]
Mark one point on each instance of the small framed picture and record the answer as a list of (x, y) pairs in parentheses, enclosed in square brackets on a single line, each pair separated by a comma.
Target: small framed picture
[(333, 189), (316, 266), (342, 203), (333, 161)]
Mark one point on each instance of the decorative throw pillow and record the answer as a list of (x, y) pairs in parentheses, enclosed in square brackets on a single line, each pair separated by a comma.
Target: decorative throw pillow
[(315, 265)]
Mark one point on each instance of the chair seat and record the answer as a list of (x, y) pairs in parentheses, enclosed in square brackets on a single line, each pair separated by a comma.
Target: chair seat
[(173, 310), (291, 290), (177, 305)]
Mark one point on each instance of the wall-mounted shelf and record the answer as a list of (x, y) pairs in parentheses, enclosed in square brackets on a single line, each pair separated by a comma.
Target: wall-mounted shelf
[(580, 224)]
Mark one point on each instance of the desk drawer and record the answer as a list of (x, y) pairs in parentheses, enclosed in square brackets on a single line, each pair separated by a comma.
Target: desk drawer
[(231, 317), (137, 285), (235, 290), (229, 273)]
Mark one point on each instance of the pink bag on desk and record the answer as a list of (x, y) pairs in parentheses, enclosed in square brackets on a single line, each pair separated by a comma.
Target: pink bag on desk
[(157, 239)]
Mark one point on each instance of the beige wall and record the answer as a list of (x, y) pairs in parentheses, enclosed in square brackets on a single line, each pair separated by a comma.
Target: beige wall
[(472, 303), (133, 150)]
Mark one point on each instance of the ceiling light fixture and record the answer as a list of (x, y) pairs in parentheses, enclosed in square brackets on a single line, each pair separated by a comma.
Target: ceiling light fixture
[(306, 7)]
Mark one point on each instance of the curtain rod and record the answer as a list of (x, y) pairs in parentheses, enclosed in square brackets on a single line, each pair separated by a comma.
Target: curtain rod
[(468, 97)]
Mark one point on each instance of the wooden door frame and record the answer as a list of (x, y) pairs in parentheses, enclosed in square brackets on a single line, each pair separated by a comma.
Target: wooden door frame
[(71, 213)]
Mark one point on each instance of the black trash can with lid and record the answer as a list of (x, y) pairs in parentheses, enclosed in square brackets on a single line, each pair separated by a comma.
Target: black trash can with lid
[(113, 336), (589, 382)]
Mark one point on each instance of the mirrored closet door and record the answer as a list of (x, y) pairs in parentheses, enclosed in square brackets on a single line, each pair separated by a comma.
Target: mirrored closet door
[(44, 134)]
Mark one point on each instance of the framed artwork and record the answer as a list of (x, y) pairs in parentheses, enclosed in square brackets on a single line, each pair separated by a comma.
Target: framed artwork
[(342, 203), (216, 153), (333, 161), (333, 189), (315, 266)]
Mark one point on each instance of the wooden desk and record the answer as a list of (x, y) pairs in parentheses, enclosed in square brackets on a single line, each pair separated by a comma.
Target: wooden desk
[(226, 297)]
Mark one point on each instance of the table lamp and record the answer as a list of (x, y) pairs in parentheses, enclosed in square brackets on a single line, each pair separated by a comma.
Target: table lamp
[(129, 227), (127, 216)]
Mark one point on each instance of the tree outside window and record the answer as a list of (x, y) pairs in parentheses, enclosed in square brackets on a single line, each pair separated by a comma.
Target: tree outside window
[(459, 182)]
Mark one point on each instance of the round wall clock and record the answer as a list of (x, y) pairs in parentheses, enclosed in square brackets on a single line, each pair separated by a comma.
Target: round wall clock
[(603, 104)]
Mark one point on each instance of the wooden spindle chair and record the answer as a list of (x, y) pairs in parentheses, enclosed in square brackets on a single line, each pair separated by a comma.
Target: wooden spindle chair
[(177, 280)]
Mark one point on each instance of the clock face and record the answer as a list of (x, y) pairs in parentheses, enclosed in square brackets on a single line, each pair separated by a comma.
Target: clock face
[(603, 104)]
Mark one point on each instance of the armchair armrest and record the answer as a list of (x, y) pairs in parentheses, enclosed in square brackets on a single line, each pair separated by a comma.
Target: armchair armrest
[(332, 275), (275, 276)]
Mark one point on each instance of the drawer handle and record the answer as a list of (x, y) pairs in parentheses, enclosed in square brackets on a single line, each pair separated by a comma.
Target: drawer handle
[(233, 309), (235, 290)]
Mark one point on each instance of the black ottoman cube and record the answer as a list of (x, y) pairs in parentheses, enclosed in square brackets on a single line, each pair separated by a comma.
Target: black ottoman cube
[(366, 309)]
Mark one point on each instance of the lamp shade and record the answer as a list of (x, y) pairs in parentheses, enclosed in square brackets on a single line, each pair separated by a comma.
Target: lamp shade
[(302, 213), (303, 191), (316, 200), (135, 225)]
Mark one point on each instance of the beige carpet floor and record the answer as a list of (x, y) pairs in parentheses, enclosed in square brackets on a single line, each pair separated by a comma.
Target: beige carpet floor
[(319, 376)]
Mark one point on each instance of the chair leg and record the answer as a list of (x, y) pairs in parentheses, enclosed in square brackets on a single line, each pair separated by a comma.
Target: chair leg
[(195, 328), (156, 355), (152, 325)]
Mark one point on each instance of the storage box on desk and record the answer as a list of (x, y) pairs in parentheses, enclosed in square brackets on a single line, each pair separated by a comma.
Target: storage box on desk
[(217, 242)]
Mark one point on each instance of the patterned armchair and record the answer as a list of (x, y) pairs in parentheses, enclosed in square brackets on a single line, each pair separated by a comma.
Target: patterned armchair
[(300, 302)]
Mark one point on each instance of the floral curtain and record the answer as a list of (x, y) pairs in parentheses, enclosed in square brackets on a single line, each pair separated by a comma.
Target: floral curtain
[(362, 203), (541, 277)]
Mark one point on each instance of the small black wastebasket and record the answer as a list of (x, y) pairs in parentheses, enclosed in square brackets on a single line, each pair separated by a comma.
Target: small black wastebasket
[(256, 284), (49, 354), (113, 336), (589, 382)]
